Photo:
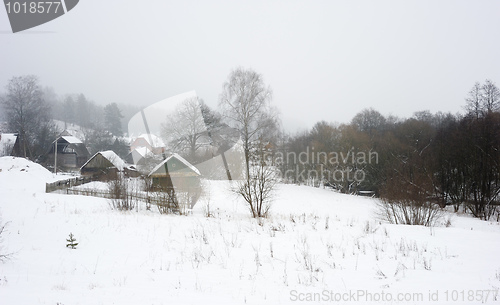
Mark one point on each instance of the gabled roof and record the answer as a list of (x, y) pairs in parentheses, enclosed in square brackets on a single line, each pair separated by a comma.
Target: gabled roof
[(142, 151), (112, 157), (69, 129), (71, 139), (151, 139), (74, 143), (179, 158)]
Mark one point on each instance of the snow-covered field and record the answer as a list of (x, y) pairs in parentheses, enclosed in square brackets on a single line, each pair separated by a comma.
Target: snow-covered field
[(317, 247)]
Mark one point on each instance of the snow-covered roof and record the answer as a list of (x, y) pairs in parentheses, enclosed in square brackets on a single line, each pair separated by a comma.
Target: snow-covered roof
[(181, 159), (7, 141), (112, 157), (152, 140), (139, 153), (70, 129), (72, 140), (143, 151)]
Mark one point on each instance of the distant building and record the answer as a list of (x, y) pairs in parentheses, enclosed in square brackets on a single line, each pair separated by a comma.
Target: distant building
[(71, 152), (145, 152), (9, 145), (151, 142), (138, 155), (177, 175)]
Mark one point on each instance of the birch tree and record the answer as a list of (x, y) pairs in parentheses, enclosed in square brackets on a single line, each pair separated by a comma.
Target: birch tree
[(245, 104)]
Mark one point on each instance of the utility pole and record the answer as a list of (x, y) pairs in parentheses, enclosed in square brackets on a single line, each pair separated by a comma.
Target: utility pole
[(55, 157)]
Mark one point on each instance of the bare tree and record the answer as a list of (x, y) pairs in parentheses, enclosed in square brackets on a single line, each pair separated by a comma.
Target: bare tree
[(26, 111), (474, 100), (258, 189), (490, 96), (483, 99), (245, 103), (369, 120), (185, 128)]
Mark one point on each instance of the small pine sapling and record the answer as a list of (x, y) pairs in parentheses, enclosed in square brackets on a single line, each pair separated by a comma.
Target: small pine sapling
[(71, 242)]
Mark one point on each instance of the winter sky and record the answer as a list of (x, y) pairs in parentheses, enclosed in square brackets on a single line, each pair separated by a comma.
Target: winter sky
[(325, 60)]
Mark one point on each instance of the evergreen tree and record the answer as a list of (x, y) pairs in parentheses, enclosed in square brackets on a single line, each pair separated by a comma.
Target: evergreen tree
[(82, 111), (71, 242), (112, 119), (68, 106)]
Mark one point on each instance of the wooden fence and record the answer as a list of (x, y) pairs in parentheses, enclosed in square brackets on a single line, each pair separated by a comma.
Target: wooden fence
[(89, 192), (158, 198), (66, 184), (108, 195), (69, 184)]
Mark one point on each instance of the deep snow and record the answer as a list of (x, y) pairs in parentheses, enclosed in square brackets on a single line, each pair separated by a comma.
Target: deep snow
[(316, 244)]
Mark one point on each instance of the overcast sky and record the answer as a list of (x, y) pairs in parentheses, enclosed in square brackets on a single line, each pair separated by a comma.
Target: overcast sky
[(324, 60)]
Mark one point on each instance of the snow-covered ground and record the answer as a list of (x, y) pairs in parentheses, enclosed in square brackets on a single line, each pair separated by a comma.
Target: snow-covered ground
[(317, 247)]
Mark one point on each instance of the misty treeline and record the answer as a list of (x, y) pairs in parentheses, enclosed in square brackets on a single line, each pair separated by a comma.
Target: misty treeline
[(426, 160), (442, 158), (30, 110)]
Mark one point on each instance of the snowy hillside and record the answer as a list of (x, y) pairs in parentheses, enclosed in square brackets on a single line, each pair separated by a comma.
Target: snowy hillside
[(316, 246)]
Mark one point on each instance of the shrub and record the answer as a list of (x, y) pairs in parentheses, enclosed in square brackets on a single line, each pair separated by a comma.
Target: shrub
[(166, 201), (257, 189), (121, 198), (410, 212), (408, 198), (3, 256)]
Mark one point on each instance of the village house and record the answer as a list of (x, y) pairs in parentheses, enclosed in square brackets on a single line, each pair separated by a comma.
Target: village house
[(150, 141), (70, 151), (107, 165), (177, 175), (9, 145)]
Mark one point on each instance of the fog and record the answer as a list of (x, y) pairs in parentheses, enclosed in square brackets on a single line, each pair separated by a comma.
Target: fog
[(324, 60)]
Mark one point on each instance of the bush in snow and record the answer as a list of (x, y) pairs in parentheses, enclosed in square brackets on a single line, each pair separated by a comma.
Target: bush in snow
[(257, 189), (3, 256), (121, 197), (407, 197), (166, 201), (409, 212), (206, 196)]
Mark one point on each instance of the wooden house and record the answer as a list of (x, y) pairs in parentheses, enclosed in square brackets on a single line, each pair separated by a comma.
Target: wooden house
[(107, 165), (177, 175), (150, 141), (138, 156), (9, 145), (143, 159), (71, 152)]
